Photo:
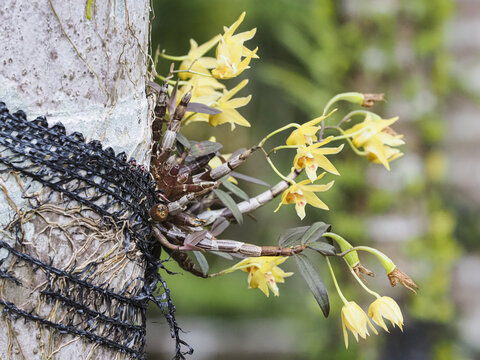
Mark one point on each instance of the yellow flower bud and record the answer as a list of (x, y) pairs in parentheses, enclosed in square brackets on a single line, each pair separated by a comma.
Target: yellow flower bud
[(355, 320), (386, 307)]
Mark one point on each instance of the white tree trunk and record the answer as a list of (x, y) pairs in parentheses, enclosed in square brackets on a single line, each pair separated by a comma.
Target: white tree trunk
[(89, 75)]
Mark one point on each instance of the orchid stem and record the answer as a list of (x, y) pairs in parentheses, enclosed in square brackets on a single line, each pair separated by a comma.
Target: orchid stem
[(170, 82), (331, 102), (355, 113), (193, 72), (349, 141), (283, 177), (277, 131), (345, 301), (386, 262), (173, 58), (346, 136), (371, 292), (352, 97), (282, 147), (355, 150)]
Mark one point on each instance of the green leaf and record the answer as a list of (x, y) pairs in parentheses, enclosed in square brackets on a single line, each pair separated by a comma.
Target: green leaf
[(249, 179), (315, 232), (322, 248), (219, 226), (234, 189), (223, 255), (314, 282), (184, 141), (230, 204), (172, 100), (291, 235), (202, 108), (204, 148), (194, 238), (202, 262)]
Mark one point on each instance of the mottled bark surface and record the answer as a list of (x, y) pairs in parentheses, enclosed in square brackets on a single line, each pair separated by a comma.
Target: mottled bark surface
[(89, 75)]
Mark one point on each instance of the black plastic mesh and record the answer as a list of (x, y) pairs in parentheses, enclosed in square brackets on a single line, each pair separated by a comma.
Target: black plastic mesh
[(119, 192)]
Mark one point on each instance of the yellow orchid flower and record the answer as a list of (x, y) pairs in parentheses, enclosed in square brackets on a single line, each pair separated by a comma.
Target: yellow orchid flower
[(312, 157), (263, 272), (390, 154), (377, 139), (202, 64), (305, 134), (386, 307), (302, 194), (205, 90), (228, 106), (355, 320), (230, 51)]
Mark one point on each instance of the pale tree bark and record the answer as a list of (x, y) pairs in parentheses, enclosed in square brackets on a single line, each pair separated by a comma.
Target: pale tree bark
[(89, 75)]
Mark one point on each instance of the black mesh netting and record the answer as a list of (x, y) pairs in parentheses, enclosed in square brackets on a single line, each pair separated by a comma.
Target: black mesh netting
[(85, 181)]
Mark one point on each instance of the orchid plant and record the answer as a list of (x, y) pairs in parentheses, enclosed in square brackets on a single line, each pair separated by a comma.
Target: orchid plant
[(204, 98)]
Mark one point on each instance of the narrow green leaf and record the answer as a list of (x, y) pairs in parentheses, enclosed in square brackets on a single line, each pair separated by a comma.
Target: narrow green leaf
[(202, 108), (193, 239), (223, 255), (219, 226), (235, 189), (291, 235), (314, 282), (184, 141), (202, 262), (315, 232), (322, 248), (230, 204), (172, 100), (249, 179), (204, 148)]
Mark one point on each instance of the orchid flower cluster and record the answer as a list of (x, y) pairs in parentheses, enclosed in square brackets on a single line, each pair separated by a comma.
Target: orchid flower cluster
[(200, 75), (371, 137)]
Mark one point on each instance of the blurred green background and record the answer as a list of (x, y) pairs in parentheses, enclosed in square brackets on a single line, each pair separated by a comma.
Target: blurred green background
[(423, 213)]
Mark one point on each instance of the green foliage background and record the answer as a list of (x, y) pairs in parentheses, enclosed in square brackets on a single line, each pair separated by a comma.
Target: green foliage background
[(309, 51)]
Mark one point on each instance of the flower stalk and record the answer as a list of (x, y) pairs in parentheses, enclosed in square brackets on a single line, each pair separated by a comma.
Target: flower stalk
[(365, 100), (288, 126)]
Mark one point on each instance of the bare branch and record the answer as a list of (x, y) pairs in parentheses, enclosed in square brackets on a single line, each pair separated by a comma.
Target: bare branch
[(252, 204), (226, 168)]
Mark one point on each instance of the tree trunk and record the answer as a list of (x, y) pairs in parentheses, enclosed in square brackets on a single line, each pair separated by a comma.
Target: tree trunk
[(89, 75)]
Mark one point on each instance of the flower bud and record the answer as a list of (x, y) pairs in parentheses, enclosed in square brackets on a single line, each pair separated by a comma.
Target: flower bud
[(355, 320), (386, 307)]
